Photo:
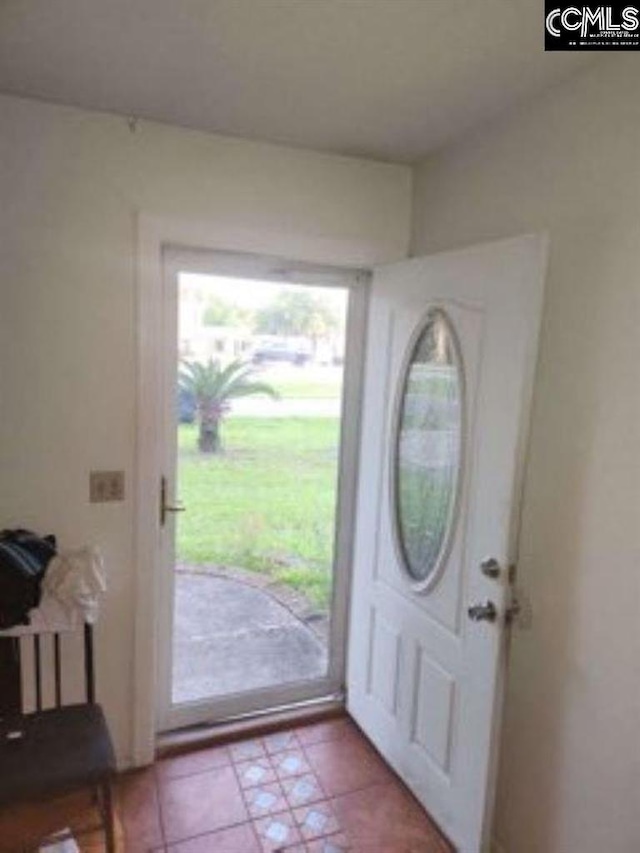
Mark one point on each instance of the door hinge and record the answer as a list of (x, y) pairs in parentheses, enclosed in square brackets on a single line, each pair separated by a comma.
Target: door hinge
[(519, 612), (513, 610)]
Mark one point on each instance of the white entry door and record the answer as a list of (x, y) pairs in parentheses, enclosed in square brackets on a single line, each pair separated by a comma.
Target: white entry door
[(450, 361)]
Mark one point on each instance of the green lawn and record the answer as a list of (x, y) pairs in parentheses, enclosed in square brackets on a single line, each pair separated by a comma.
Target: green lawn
[(266, 503), (304, 383)]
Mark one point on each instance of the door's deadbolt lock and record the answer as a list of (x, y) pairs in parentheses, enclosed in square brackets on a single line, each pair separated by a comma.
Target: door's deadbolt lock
[(490, 568), (483, 612)]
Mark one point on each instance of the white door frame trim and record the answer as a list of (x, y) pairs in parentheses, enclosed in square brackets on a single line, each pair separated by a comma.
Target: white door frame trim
[(264, 268), (152, 234)]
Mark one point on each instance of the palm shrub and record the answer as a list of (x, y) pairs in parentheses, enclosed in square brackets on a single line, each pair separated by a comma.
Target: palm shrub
[(213, 387)]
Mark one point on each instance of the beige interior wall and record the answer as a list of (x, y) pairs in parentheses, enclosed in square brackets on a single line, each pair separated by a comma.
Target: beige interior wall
[(71, 184), (568, 164)]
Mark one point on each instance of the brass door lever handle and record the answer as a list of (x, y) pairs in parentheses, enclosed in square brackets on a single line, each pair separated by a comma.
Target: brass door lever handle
[(483, 612), (164, 506)]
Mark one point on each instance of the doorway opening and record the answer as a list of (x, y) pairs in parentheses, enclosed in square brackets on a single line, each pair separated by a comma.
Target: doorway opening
[(255, 498)]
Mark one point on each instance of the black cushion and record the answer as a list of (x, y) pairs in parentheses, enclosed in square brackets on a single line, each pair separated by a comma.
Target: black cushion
[(60, 750)]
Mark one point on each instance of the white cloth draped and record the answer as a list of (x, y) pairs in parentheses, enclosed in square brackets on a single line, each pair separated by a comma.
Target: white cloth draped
[(71, 591)]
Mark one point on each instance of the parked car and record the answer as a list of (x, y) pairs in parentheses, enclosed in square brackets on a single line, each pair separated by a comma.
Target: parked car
[(280, 352)]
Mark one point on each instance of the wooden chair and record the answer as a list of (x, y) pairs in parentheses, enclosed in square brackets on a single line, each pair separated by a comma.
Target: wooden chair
[(55, 751)]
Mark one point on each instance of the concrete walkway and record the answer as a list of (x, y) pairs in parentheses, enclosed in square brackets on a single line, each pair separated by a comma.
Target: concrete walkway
[(231, 637)]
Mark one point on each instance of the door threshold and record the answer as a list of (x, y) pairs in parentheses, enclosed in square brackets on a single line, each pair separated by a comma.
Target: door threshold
[(248, 725)]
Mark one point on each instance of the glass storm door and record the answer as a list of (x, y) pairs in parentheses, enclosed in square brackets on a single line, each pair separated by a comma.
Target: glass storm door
[(255, 496), (451, 352)]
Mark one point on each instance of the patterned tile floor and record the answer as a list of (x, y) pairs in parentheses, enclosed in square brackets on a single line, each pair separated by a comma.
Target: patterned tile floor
[(319, 788)]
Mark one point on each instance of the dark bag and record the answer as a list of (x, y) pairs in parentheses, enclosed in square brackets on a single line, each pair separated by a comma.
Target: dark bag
[(24, 557)]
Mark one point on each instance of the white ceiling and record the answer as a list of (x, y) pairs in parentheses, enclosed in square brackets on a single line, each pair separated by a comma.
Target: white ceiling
[(388, 79)]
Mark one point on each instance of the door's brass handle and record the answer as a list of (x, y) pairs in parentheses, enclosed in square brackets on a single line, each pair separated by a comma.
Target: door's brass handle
[(164, 506), (483, 612)]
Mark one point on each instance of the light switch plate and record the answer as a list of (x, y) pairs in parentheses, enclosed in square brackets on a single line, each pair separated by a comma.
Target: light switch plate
[(106, 486)]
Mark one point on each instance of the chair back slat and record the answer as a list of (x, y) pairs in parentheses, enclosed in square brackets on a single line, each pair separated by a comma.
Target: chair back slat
[(88, 664), (37, 670), (10, 676), (15, 691), (57, 669)]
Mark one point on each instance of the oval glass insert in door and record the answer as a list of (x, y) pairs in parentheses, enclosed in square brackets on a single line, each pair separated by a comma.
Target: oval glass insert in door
[(428, 450)]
